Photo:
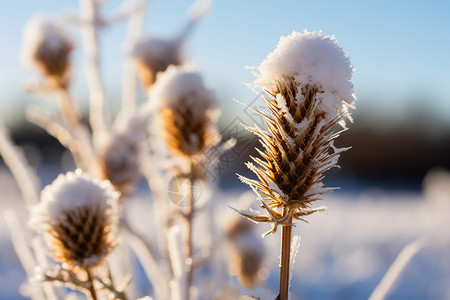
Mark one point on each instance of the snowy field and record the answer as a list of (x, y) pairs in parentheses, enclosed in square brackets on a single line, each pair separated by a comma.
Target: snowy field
[(343, 253)]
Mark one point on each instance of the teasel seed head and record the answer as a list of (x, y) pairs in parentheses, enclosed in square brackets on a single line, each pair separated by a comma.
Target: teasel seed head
[(119, 163), (307, 79), (154, 55), (78, 217), (47, 48), (188, 112), (246, 252), (120, 156)]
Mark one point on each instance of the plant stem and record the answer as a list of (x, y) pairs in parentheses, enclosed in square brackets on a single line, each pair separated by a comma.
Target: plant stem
[(129, 92), (189, 220), (285, 259), (91, 288), (83, 152), (90, 15)]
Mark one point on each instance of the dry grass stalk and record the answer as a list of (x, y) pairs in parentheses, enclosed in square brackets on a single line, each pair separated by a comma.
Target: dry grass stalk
[(298, 144)]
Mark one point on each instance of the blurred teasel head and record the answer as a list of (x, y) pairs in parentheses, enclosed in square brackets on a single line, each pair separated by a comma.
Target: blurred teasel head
[(307, 80), (78, 217), (245, 253), (188, 112), (47, 48), (119, 158), (154, 55)]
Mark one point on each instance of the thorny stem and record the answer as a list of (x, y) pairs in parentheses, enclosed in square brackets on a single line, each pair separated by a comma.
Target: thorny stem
[(91, 289), (285, 258), (189, 214)]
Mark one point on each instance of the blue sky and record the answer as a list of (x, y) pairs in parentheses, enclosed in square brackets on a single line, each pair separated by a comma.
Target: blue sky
[(399, 49)]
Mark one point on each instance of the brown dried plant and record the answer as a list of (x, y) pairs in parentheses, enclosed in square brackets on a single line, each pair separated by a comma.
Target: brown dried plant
[(48, 49), (291, 170), (152, 56), (188, 113), (308, 89), (77, 216)]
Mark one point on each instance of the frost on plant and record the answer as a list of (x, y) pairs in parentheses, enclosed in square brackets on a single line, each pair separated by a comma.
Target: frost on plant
[(188, 113), (307, 81), (47, 48), (78, 217)]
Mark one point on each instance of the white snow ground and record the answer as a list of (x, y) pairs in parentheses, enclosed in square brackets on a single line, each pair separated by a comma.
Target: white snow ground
[(343, 253)]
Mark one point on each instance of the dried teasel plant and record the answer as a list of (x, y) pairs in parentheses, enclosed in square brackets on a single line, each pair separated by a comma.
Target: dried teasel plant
[(307, 79), (246, 253), (78, 217), (187, 112), (153, 55), (119, 158), (47, 48)]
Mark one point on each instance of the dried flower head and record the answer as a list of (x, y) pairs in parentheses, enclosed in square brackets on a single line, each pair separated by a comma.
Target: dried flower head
[(119, 162), (246, 252), (307, 80), (47, 48), (119, 159), (188, 112), (78, 217), (154, 55)]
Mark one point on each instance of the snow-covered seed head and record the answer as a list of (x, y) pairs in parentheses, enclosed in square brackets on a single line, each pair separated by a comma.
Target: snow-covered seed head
[(188, 112), (307, 80), (312, 61), (246, 252), (47, 48), (119, 163), (78, 217), (154, 55)]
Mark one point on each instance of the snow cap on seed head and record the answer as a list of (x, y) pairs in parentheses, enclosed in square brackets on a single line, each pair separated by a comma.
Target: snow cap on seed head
[(180, 84), (314, 59)]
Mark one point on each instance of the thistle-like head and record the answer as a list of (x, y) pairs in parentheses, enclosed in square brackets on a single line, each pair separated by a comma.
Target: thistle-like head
[(47, 48), (78, 217), (309, 62), (119, 158), (154, 55), (188, 111), (308, 83)]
